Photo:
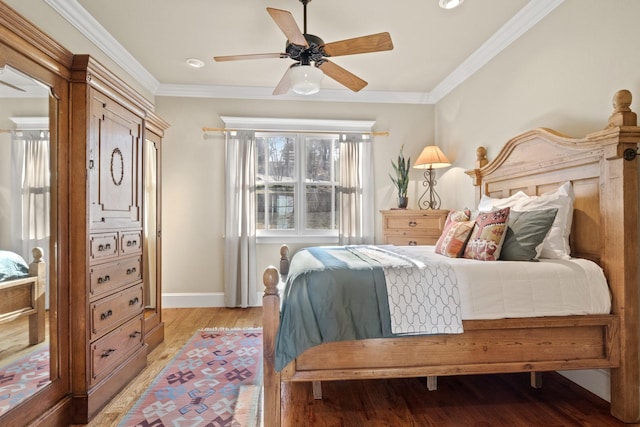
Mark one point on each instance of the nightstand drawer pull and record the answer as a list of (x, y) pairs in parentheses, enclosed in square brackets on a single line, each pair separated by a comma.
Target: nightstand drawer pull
[(131, 270), (135, 334), (106, 315), (132, 242), (413, 243), (104, 247), (133, 301), (412, 224)]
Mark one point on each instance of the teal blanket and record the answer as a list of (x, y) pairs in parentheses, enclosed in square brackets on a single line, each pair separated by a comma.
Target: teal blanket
[(331, 294)]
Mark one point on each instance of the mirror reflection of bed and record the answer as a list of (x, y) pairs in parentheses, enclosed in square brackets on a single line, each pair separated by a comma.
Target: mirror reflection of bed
[(25, 212)]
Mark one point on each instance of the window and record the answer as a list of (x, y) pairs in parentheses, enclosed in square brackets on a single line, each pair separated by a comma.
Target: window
[(285, 184), (297, 183)]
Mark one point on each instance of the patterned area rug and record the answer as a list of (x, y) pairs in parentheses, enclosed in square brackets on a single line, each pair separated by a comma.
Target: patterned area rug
[(215, 380), (21, 378)]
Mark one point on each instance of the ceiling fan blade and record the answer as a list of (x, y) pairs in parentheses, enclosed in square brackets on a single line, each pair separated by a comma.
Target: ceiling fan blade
[(12, 86), (284, 84), (365, 44), (342, 76), (250, 56), (284, 20)]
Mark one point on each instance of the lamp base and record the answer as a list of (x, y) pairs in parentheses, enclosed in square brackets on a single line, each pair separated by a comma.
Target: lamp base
[(429, 199)]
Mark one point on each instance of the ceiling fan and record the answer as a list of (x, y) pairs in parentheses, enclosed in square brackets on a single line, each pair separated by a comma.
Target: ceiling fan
[(305, 48)]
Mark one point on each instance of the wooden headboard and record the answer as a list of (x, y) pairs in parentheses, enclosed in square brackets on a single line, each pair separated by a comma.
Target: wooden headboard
[(604, 172)]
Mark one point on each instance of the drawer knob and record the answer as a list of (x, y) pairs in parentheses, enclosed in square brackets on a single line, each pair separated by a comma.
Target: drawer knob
[(102, 247), (133, 301), (106, 315), (135, 334), (108, 352), (132, 242), (131, 270), (413, 243), (412, 223)]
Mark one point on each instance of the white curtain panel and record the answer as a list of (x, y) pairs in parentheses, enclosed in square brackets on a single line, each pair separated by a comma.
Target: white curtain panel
[(31, 190), (240, 223), (355, 225)]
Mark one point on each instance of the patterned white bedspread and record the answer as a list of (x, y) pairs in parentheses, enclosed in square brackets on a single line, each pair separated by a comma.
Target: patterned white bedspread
[(423, 297)]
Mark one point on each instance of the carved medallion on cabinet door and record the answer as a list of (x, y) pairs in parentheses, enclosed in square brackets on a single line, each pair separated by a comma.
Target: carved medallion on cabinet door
[(114, 165)]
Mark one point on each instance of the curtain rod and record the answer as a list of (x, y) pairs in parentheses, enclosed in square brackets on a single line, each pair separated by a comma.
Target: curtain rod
[(294, 131)]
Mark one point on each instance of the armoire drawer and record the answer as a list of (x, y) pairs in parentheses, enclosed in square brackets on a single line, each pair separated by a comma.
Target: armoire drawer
[(108, 277), (130, 242), (114, 347), (103, 246), (114, 309)]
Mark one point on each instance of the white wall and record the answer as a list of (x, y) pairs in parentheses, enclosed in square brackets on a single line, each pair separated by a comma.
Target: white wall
[(561, 74), (193, 178)]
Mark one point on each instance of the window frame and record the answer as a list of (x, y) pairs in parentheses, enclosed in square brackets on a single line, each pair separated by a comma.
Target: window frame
[(263, 125), (300, 184)]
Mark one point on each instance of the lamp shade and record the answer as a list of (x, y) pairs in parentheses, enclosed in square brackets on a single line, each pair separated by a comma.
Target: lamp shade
[(305, 79), (431, 158)]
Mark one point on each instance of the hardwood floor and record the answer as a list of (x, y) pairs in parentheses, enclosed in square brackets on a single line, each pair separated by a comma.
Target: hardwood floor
[(478, 401)]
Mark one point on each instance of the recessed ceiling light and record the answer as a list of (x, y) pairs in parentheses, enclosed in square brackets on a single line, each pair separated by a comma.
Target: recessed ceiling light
[(450, 4), (195, 63)]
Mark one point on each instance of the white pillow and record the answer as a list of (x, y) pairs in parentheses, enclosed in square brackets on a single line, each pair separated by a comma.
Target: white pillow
[(556, 244), (488, 204)]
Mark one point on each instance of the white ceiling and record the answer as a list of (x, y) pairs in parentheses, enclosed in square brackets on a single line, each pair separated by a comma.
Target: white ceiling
[(434, 49)]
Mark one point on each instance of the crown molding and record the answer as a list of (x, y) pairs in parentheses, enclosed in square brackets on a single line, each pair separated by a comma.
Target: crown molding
[(325, 95), (520, 23), (84, 22)]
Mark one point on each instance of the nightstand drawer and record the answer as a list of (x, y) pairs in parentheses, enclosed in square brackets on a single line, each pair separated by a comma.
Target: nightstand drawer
[(410, 240), (406, 227)]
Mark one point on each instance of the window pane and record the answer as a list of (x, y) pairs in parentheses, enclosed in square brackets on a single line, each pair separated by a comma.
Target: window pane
[(320, 155), (320, 207), (280, 159), (280, 204), (260, 211)]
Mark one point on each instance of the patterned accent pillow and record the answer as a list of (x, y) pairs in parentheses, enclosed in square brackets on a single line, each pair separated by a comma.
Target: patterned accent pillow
[(454, 238), (457, 216), (488, 235)]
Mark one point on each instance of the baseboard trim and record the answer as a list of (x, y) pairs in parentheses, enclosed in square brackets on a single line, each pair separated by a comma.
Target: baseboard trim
[(194, 300), (597, 381)]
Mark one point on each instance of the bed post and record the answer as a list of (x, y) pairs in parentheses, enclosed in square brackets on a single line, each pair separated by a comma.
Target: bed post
[(270, 323), (36, 320), (619, 208)]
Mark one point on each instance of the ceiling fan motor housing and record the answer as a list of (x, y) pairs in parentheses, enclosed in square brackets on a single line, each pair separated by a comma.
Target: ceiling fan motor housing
[(305, 55)]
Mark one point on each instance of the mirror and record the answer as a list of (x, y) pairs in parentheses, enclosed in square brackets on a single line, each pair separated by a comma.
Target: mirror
[(27, 206)]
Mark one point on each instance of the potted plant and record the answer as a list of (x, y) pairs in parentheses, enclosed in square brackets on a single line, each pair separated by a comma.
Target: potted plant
[(401, 180)]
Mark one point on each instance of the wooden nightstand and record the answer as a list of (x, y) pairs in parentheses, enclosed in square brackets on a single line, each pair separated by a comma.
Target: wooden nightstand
[(409, 227)]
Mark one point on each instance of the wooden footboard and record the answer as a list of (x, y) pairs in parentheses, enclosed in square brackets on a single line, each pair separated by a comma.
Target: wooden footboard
[(486, 346), (25, 297)]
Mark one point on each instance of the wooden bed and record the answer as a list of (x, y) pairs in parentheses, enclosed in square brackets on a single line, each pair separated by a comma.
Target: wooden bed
[(25, 297), (604, 172)]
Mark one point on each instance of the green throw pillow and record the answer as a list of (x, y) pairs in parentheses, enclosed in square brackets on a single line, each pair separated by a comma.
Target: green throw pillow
[(525, 233)]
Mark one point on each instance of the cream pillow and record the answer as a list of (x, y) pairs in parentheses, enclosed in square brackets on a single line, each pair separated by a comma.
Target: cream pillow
[(488, 204)]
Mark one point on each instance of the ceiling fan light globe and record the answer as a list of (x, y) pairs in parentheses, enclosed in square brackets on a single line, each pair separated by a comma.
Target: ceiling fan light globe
[(450, 4), (305, 79)]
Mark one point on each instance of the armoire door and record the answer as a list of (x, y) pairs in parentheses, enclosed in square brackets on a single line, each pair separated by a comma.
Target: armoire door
[(114, 158)]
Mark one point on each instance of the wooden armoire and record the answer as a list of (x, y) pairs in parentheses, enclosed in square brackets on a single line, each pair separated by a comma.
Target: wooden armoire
[(109, 293)]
